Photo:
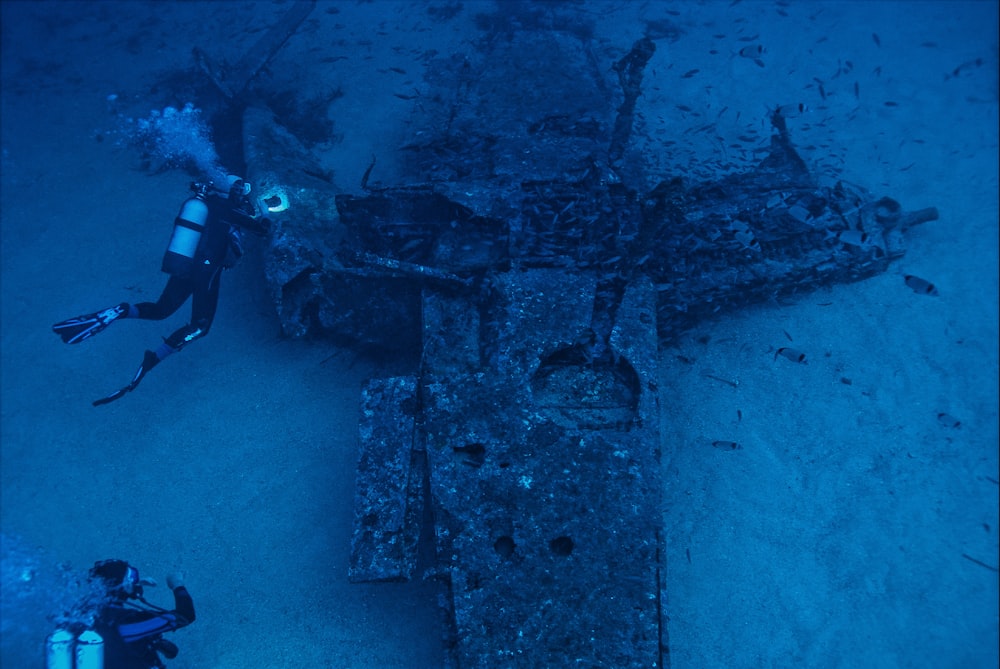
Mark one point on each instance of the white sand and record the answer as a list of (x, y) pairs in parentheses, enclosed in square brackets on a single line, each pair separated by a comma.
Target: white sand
[(833, 538)]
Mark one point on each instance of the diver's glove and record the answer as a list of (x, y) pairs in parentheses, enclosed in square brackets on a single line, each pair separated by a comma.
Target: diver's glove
[(149, 361), (175, 579)]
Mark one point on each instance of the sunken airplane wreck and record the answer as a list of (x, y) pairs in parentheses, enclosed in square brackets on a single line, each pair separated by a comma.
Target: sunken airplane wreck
[(536, 282)]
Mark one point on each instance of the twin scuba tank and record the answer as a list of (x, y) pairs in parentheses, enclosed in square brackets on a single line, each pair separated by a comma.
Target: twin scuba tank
[(65, 650)]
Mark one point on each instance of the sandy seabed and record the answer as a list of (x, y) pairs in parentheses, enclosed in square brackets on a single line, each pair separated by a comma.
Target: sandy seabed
[(852, 529)]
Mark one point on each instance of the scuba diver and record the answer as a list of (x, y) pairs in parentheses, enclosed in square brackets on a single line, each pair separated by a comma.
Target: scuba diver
[(131, 627), (207, 238)]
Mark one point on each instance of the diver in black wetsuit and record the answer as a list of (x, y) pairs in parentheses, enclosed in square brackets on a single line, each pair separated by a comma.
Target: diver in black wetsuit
[(207, 238), (131, 627)]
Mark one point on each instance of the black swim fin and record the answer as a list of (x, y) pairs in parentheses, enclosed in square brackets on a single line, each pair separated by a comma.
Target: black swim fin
[(149, 360), (81, 328)]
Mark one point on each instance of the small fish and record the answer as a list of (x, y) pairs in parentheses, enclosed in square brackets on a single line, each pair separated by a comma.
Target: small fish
[(729, 382), (890, 103), (920, 286), (791, 354), (689, 74), (792, 110), (411, 245), (851, 237), (947, 420), (964, 67), (877, 41), (755, 51), (727, 445)]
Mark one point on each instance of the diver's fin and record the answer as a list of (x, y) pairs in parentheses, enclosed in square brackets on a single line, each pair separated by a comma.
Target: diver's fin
[(149, 360), (81, 328), (111, 398)]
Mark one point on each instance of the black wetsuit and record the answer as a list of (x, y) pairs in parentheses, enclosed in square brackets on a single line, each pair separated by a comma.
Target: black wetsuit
[(131, 634), (220, 246), (218, 249)]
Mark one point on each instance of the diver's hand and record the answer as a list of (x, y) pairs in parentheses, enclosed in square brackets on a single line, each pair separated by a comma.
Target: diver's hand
[(175, 580)]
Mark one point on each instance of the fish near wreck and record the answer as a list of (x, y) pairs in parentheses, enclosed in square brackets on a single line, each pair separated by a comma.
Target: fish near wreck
[(775, 223)]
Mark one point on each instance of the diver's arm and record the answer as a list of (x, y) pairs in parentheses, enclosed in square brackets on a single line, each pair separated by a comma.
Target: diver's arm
[(240, 214), (167, 621), (255, 224), (183, 604)]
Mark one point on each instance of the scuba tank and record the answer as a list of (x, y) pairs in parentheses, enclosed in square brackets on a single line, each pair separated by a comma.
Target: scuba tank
[(89, 650), (64, 650), (188, 228), (59, 650)]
